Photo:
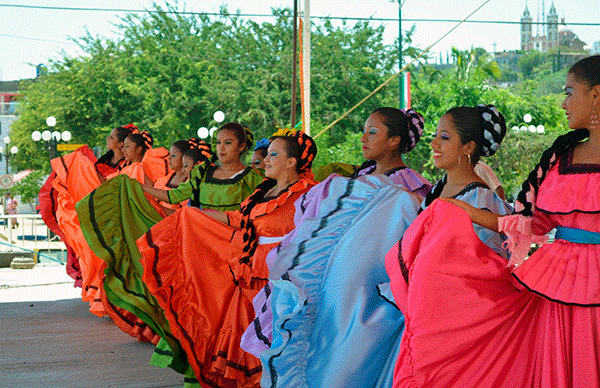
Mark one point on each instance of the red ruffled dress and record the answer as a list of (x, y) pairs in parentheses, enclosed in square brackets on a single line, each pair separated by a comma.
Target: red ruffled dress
[(473, 321), (195, 274)]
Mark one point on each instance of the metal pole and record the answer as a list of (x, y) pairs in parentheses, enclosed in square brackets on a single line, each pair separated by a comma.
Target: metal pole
[(400, 64), (294, 63)]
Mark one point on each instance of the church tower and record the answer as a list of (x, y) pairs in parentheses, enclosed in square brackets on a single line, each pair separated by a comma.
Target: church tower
[(552, 28), (526, 30)]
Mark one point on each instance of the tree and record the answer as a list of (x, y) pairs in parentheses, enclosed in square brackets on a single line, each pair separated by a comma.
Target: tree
[(170, 72)]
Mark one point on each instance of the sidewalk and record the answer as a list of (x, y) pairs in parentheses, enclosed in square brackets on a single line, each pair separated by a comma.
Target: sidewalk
[(42, 283), (50, 339)]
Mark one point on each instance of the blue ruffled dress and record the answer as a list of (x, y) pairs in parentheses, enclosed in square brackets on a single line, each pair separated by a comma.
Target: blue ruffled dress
[(333, 327)]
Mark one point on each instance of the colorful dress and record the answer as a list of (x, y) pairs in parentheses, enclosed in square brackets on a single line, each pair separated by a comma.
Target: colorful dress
[(332, 322), (195, 273), (164, 183), (114, 216), (49, 204), (563, 276), (214, 193), (467, 325)]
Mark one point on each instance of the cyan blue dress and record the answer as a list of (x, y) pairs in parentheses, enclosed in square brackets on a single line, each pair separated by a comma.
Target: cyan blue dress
[(324, 292), (334, 320)]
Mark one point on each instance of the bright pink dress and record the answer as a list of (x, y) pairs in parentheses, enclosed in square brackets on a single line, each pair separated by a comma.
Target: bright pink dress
[(470, 322)]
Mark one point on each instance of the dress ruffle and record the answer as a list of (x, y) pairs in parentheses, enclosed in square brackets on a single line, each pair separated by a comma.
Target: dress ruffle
[(156, 163), (191, 278), (76, 177), (258, 336), (580, 198), (331, 325), (562, 271), (466, 325), (48, 198), (191, 265), (112, 218)]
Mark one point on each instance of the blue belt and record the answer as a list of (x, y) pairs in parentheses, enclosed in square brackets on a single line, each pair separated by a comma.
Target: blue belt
[(578, 236)]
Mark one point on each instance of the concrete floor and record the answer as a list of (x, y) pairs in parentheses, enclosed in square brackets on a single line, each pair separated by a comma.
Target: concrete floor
[(49, 339)]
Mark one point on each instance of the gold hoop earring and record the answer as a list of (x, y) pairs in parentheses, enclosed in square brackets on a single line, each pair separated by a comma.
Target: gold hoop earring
[(460, 158)]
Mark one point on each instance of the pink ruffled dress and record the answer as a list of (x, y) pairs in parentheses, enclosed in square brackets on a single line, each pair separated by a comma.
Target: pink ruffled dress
[(473, 321)]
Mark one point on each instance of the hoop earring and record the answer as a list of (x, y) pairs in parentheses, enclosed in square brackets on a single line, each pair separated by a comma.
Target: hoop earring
[(460, 158), (594, 118)]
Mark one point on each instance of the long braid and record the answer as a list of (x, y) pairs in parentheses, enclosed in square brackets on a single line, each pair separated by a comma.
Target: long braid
[(305, 152), (249, 233), (366, 164), (525, 203), (435, 193)]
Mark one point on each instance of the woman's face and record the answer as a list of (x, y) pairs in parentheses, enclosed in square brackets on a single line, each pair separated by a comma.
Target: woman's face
[(578, 103), (375, 140), (175, 156), (187, 165), (112, 141), (131, 151), (447, 147), (257, 160), (277, 162), (229, 148)]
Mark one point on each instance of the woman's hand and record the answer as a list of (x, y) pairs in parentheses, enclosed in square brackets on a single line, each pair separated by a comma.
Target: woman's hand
[(478, 216), (470, 209)]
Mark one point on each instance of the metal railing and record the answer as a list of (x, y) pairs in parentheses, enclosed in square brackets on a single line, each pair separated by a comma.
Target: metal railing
[(29, 233)]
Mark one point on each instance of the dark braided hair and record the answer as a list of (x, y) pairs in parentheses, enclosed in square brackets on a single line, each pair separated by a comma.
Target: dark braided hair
[(408, 124), (435, 193), (141, 139), (198, 150), (181, 145), (482, 124), (249, 236), (525, 203), (204, 153), (297, 145), (366, 164), (586, 71), (122, 133), (241, 133), (300, 146)]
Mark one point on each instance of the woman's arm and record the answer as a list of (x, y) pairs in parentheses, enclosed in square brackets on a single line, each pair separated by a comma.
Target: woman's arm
[(478, 216), (160, 194)]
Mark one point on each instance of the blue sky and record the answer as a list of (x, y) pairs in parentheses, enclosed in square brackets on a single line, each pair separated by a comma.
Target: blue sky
[(31, 36)]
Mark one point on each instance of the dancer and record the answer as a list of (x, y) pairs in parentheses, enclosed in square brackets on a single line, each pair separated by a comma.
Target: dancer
[(534, 323), (257, 160), (108, 164), (181, 170), (222, 186), (138, 213), (332, 326), (205, 272)]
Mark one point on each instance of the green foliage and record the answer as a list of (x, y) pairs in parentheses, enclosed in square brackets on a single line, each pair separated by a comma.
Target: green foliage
[(29, 187), (435, 92), (168, 73)]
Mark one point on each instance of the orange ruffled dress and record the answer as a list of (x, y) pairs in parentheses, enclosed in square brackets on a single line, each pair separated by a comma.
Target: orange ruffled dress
[(195, 274), (76, 177)]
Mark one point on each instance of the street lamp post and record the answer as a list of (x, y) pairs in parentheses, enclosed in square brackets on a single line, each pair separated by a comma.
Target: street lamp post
[(6, 152), (204, 132), (527, 118), (51, 138)]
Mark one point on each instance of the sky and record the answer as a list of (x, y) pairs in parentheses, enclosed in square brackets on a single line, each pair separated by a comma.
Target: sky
[(31, 36)]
